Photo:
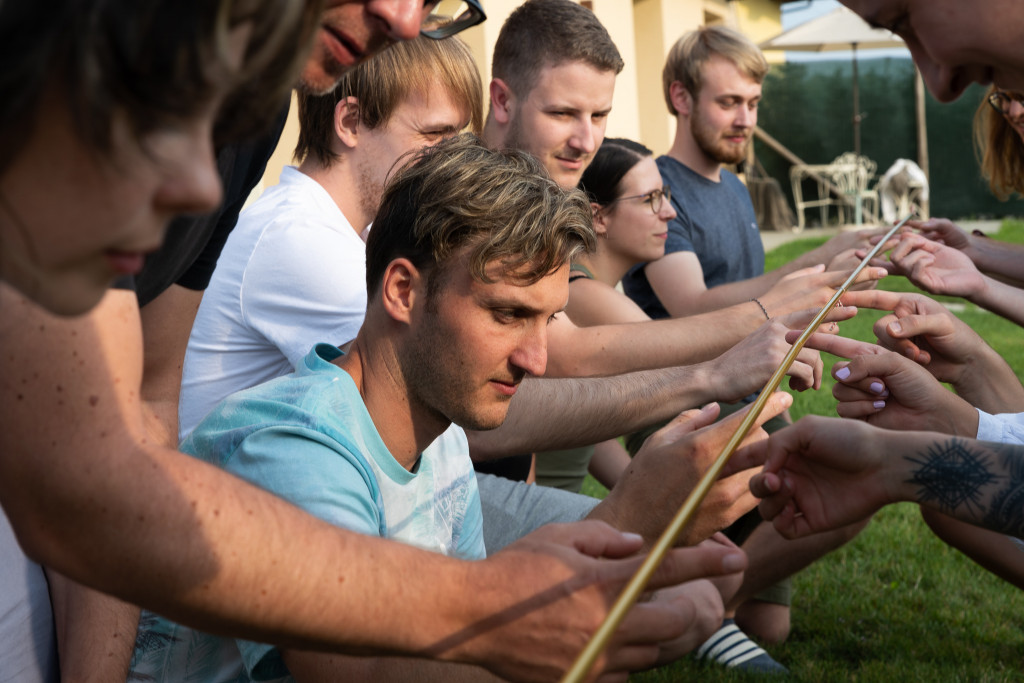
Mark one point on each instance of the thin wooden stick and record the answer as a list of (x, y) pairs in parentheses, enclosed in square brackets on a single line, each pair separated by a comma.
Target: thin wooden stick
[(639, 581)]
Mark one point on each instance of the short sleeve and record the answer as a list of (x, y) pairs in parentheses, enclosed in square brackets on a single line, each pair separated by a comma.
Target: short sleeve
[(303, 285), (318, 475)]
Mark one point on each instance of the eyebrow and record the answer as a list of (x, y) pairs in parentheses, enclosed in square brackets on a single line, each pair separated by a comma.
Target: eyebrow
[(504, 302)]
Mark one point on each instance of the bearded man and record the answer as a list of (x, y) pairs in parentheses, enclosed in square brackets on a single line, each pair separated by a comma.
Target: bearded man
[(713, 256)]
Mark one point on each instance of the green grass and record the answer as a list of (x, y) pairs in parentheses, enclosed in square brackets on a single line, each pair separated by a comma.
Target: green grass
[(895, 604)]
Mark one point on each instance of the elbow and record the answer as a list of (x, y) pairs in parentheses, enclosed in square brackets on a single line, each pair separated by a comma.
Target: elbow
[(39, 540)]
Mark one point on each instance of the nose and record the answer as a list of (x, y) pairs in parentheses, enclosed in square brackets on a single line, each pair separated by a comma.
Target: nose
[(531, 354), (402, 18), (1016, 110), (585, 137), (666, 213), (745, 116), (191, 183), (944, 82)]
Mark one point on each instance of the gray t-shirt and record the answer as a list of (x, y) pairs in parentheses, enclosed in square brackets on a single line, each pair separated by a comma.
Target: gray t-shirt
[(715, 221)]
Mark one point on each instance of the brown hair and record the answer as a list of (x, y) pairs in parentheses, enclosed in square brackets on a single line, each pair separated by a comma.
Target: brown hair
[(157, 62), (382, 83), (500, 204), (693, 50), (543, 33), (999, 150)]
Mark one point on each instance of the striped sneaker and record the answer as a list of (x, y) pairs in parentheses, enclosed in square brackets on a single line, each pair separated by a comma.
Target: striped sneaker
[(733, 649)]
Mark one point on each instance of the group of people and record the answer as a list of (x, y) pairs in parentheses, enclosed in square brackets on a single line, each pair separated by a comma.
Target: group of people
[(267, 429)]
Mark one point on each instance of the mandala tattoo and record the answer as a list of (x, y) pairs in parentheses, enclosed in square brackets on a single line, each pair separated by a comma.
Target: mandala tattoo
[(952, 475), (956, 474)]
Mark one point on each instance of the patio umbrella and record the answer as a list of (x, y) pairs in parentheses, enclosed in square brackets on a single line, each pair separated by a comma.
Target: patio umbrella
[(840, 29)]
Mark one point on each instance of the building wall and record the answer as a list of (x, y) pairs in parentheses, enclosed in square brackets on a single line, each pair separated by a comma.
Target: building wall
[(643, 30)]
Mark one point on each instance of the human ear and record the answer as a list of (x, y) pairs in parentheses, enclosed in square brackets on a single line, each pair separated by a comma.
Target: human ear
[(600, 219), (681, 99), (502, 101), (401, 289), (346, 121)]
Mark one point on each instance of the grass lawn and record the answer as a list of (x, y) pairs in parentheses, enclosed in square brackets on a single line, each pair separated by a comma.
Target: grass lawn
[(895, 604)]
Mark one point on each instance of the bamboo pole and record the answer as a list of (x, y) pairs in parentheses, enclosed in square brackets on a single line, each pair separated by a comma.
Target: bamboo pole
[(643, 575)]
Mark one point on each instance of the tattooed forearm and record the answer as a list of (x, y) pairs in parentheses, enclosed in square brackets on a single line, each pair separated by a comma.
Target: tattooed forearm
[(978, 482), (952, 475), (1006, 512)]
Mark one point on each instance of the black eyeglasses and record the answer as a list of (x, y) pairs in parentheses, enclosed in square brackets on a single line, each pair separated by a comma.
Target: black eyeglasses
[(1002, 100), (448, 17), (654, 198)]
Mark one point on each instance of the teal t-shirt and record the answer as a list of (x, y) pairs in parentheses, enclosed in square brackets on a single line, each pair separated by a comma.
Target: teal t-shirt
[(308, 438)]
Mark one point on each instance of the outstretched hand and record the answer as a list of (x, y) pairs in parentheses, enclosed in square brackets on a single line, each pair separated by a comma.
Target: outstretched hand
[(671, 463), (559, 583), (890, 391), (747, 366), (811, 288), (943, 231), (822, 474), (935, 267)]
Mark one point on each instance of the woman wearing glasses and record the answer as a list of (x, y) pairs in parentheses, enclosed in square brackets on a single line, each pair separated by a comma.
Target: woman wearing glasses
[(631, 212)]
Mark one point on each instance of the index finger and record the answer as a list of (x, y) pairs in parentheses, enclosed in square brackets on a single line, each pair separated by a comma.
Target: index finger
[(837, 278), (778, 402), (877, 299), (843, 347)]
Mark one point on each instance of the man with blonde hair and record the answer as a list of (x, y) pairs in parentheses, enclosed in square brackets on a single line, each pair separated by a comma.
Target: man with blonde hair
[(292, 273), (713, 256), (467, 261), (714, 259)]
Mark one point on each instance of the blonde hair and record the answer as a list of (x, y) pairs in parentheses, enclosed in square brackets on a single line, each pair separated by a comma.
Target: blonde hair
[(500, 204), (383, 82), (693, 50), (999, 150)]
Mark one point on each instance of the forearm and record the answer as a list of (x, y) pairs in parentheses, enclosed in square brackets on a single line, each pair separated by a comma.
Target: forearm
[(166, 324), (605, 350), (95, 632), (996, 257), (989, 383), (551, 414), (165, 531), (723, 296), (309, 667), (1002, 299), (974, 481), (610, 460)]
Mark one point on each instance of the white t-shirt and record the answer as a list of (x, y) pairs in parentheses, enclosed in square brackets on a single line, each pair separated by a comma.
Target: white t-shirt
[(292, 273)]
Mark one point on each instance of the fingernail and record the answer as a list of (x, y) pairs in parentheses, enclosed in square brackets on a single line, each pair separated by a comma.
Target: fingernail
[(879, 404), (630, 536), (877, 387), (895, 328), (733, 562), (843, 373)]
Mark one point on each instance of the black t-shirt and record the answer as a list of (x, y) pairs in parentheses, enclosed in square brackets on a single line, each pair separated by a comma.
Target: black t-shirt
[(193, 243)]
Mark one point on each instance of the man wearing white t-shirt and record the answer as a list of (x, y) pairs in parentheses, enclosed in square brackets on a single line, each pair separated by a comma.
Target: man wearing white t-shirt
[(292, 273)]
